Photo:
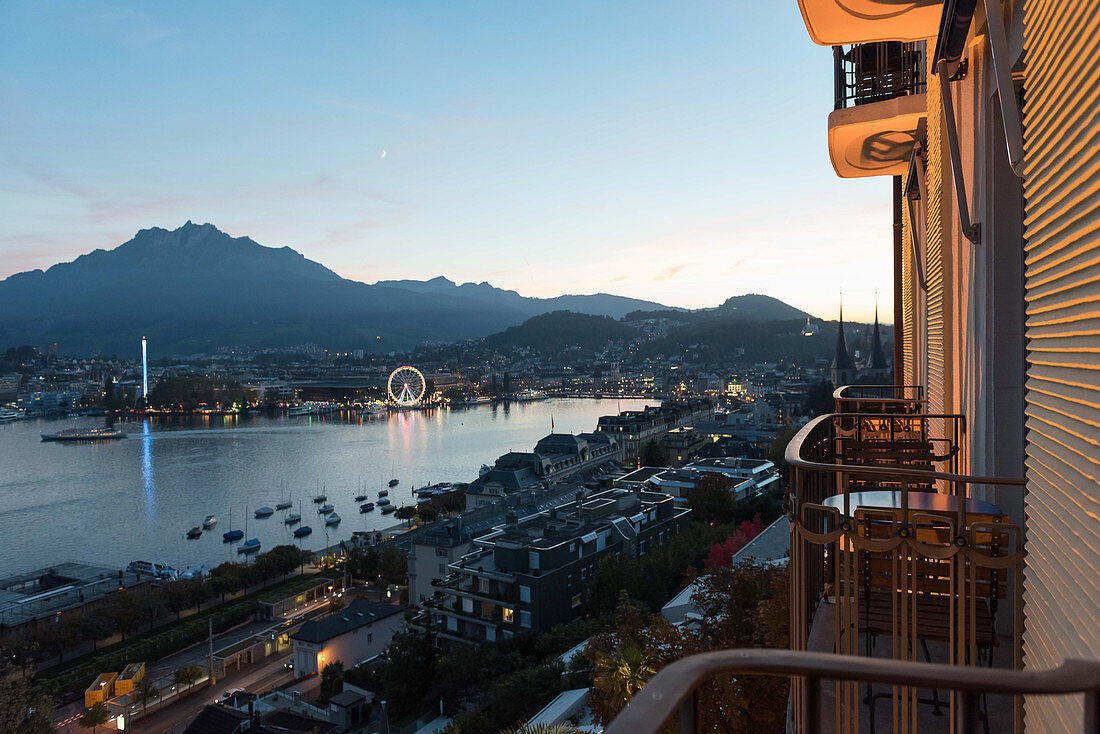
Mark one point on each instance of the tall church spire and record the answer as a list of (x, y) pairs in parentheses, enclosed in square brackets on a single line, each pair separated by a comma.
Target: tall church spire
[(843, 370), (878, 355)]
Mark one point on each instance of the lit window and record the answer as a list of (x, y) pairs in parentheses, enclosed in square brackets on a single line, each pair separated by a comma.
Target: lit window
[(508, 614)]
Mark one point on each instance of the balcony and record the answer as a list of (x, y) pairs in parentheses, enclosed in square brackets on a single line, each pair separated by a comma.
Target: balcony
[(836, 22), (879, 108), (669, 698), (905, 582)]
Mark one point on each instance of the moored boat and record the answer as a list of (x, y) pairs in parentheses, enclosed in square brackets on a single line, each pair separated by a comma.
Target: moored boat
[(249, 546), (387, 509), (232, 535), (194, 532), (303, 531), (292, 518), (285, 505), (324, 509), (394, 482), (383, 492), (333, 519), (383, 502), (320, 498), (368, 507), (209, 522), (264, 512), (84, 434), (362, 497)]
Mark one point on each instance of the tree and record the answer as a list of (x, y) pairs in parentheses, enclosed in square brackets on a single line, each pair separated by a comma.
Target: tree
[(394, 563), (225, 579), (653, 454), (144, 692), (747, 605), (23, 708), (126, 611), (94, 716), (95, 626), (711, 501), (188, 675), (622, 674), (405, 512), (721, 554), (332, 679)]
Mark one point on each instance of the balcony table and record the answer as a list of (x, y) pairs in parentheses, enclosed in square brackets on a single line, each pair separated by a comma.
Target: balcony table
[(918, 501)]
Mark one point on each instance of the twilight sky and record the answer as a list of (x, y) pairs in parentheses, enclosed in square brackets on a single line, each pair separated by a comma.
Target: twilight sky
[(673, 151)]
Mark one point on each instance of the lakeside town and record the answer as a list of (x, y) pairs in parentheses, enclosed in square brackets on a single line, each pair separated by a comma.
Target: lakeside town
[(296, 636)]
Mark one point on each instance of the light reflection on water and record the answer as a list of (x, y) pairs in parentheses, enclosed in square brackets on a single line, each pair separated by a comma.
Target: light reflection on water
[(114, 502)]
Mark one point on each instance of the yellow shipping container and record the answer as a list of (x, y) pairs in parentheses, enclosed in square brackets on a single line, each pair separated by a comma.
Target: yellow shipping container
[(129, 677), (102, 689)]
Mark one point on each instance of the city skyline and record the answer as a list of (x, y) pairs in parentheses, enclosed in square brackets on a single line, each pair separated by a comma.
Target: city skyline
[(621, 149)]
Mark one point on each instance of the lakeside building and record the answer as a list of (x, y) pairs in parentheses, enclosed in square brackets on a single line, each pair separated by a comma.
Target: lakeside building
[(555, 458), (633, 429), (359, 631), (681, 444), (530, 574), (29, 599), (984, 120)]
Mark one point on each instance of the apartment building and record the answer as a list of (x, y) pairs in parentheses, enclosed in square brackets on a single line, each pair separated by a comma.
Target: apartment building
[(633, 429), (530, 574), (952, 517)]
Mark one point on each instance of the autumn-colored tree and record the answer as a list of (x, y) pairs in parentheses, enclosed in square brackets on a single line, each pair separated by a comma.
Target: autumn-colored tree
[(721, 554)]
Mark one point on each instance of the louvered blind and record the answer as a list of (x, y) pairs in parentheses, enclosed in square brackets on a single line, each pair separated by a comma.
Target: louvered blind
[(908, 300), (937, 316), (1062, 224)]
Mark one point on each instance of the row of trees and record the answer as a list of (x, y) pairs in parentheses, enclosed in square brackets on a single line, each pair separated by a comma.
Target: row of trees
[(132, 610), (192, 392)]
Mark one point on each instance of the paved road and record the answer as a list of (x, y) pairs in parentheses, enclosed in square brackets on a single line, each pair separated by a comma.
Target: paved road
[(174, 719)]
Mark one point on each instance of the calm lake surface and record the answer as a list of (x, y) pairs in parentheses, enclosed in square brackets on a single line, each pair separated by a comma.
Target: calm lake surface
[(118, 501)]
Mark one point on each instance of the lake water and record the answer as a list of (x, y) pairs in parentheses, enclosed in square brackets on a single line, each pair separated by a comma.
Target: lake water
[(135, 498)]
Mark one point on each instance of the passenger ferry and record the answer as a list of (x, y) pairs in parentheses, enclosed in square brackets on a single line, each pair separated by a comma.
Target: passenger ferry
[(84, 434)]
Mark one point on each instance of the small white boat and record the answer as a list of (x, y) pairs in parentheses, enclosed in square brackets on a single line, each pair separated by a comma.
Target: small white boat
[(209, 522), (332, 519), (324, 509)]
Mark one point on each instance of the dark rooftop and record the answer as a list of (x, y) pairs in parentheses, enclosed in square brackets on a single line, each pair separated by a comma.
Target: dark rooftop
[(359, 613)]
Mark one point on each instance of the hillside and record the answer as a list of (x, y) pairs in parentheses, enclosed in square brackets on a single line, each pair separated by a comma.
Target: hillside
[(196, 289), (554, 332)]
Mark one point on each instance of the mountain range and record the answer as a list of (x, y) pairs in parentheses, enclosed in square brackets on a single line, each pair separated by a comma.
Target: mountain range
[(196, 288)]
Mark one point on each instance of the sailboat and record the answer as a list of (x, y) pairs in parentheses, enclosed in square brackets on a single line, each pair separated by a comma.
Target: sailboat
[(361, 497), (294, 517), (233, 535), (252, 544)]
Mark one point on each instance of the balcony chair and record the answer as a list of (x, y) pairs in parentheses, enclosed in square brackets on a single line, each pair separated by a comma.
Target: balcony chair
[(928, 582)]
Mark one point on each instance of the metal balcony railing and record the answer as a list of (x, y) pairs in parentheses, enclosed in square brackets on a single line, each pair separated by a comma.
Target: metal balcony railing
[(889, 542), (671, 695), (875, 72), (880, 399)]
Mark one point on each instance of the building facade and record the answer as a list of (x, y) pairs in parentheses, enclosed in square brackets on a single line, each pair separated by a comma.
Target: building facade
[(530, 575)]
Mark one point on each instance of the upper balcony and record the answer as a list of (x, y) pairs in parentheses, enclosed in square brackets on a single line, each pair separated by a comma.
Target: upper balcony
[(879, 110), (838, 22)]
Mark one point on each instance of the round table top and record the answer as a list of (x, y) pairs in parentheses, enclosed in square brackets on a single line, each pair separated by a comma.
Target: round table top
[(920, 501)]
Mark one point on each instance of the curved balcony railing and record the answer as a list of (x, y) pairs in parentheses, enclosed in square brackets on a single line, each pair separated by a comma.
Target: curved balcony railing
[(671, 695), (875, 72), (880, 399), (893, 543)]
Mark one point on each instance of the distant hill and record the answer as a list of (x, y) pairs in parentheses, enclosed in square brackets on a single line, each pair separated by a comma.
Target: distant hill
[(599, 303), (760, 308), (196, 288), (558, 330)]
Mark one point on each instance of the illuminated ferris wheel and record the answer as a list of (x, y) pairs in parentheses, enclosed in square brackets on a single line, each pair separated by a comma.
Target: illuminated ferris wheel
[(406, 386)]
